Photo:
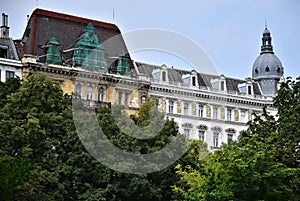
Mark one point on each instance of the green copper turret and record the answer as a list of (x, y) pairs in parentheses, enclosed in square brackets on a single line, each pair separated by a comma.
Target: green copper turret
[(123, 64), (53, 55), (88, 52)]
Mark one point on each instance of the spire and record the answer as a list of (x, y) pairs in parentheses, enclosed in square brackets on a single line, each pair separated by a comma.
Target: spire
[(266, 46), (266, 27)]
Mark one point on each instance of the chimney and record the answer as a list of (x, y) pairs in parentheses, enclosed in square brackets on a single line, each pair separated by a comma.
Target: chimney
[(4, 28)]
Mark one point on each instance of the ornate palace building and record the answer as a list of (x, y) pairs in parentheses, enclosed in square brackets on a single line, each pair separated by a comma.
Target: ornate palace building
[(89, 59)]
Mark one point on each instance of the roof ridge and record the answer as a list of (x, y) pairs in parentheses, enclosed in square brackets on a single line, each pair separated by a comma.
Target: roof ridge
[(69, 17)]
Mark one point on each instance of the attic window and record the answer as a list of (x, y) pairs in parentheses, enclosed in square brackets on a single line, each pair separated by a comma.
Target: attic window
[(267, 69), (256, 71), (3, 51), (193, 81), (163, 75), (278, 70), (222, 85), (249, 90)]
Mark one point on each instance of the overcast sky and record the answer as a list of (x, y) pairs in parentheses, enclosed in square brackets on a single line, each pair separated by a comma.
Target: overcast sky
[(229, 31)]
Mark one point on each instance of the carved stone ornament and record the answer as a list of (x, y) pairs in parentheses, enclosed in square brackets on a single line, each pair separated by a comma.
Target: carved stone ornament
[(187, 125), (202, 127), (216, 128)]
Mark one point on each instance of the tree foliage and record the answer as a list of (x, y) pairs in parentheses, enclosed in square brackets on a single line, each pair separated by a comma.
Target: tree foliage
[(42, 157)]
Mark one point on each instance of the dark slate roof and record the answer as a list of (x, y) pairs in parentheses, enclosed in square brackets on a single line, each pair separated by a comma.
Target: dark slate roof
[(204, 80), (19, 47), (11, 49), (67, 29)]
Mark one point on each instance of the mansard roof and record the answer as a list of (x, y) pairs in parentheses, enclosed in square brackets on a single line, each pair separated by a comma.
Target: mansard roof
[(8, 43), (67, 29), (204, 80)]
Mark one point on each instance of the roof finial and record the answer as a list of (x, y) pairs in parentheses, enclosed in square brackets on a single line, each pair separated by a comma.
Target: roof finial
[(266, 23)]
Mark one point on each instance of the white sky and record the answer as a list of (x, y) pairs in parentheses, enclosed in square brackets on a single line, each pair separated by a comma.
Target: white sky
[(229, 31)]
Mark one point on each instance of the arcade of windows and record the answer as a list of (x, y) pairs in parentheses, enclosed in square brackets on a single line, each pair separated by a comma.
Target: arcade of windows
[(89, 93)]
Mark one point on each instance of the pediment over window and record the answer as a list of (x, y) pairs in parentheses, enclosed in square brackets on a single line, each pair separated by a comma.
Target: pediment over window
[(187, 125), (230, 130), (216, 128), (202, 127)]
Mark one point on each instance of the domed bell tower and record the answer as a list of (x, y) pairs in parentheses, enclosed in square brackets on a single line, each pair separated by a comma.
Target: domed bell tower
[(267, 68)]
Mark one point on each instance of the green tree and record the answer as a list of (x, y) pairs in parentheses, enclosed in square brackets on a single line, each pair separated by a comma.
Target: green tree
[(43, 158), (8, 88), (30, 128)]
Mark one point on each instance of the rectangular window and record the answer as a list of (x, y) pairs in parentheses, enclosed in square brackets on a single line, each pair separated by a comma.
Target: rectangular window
[(229, 114), (185, 108), (171, 106), (243, 116), (164, 76), (215, 112), (126, 99), (3, 51), (201, 135), (89, 96), (249, 90), (222, 86), (100, 94), (229, 137), (216, 140), (193, 81), (10, 74), (200, 110), (186, 132), (120, 95)]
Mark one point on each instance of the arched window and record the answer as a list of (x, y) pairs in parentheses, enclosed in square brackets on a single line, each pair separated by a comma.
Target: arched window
[(101, 94), (78, 90), (89, 95)]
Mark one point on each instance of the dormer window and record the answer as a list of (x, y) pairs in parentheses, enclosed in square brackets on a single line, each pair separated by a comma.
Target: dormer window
[(164, 73), (3, 51), (163, 77), (249, 91), (222, 85), (193, 81)]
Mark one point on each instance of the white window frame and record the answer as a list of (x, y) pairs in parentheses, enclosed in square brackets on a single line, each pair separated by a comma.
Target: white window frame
[(186, 108), (171, 106), (201, 134), (215, 139), (229, 114), (186, 132), (215, 112), (200, 110)]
